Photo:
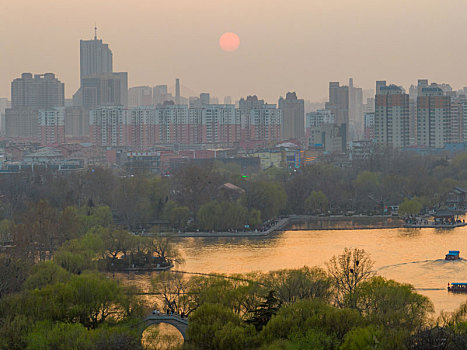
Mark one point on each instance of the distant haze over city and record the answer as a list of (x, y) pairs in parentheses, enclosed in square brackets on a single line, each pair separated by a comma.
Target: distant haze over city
[(299, 45)]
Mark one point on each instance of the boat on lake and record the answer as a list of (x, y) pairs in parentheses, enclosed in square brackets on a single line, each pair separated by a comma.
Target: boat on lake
[(452, 255), (457, 287)]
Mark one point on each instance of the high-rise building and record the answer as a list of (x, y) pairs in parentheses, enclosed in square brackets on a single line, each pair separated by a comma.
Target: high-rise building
[(391, 116), (457, 119), (204, 98), (143, 128), (140, 96), (433, 117), (4, 104), (318, 118), (76, 122), (264, 123), (174, 125), (227, 100), (52, 126), (339, 102), (95, 57), (293, 116), (22, 122), (41, 91), (110, 89), (29, 94), (339, 105), (221, 124), (177, 91), (107, 126), (355, 112), (369, 127)]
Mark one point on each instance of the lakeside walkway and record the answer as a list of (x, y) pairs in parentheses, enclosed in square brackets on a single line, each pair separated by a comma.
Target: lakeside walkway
[(278, 226)]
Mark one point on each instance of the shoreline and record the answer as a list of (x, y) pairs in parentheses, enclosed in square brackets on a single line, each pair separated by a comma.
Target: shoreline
[(294, 220)]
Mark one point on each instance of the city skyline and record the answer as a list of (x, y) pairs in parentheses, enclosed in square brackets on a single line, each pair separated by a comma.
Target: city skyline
[(306, 44)]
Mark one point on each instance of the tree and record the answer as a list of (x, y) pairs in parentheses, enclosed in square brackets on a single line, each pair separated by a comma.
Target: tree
[(178, 216), (410, 207), (116, 337), (213, 326), (164, 248), (5, 231), (174, 291), (364, 338), (391, 304), (437, 338), (59, 336), (304, 315), (208, 216), (347, 271), (46, 273), (294, 285), (261, 315), (13, 273), (316, 202), (268, 197)]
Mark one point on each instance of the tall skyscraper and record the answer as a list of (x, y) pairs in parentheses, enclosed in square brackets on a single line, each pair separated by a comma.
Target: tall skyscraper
[(355, 112), (433, 117), (41, 91), (177, 91), (95, 57), (160, 95), (140, 96), (338, 104), (391, 116), (293, 116), (110, 89)]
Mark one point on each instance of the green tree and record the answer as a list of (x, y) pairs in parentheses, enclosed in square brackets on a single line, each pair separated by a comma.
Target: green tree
[(316, 202), (59, 336), (391, 304), (298, 318), (297, 284), (268, 197), (179, 216), (410, 207), (364, 338), (208, 216), (213, 326), (46, 273)]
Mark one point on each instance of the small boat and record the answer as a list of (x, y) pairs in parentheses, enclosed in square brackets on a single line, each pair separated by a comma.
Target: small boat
[(452, 255), (457, 287)]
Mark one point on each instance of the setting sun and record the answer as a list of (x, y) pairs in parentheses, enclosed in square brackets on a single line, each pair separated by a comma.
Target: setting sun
[(229, 42)]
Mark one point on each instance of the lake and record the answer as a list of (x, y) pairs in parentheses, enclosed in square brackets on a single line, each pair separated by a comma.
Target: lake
[(414, 256)]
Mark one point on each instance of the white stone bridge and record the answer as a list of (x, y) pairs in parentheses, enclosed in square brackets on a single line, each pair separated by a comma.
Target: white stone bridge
[(173, 319)]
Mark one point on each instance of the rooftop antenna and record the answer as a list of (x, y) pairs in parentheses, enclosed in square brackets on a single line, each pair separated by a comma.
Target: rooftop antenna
[(95, 32)]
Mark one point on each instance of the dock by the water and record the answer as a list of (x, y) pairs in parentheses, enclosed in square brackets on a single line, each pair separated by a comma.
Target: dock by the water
[(435, 225)]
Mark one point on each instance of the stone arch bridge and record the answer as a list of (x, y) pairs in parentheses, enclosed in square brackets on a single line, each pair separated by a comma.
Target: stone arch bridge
[(174, 320)]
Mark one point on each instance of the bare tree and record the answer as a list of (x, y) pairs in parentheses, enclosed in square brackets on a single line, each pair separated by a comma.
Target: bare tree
[(174, 291), (347, 271)]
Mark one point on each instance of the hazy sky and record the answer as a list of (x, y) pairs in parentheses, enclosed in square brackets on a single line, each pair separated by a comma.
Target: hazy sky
[(296, 45)]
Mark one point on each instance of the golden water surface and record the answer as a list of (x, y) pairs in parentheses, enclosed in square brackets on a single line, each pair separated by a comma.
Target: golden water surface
[(414, 256)]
